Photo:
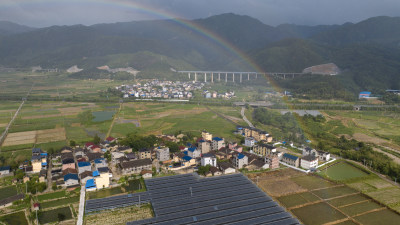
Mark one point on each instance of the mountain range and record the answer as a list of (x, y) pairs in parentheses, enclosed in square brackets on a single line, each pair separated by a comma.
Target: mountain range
[(368, 52)]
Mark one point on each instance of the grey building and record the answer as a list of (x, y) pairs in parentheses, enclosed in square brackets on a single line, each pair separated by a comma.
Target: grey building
[(162, 154)]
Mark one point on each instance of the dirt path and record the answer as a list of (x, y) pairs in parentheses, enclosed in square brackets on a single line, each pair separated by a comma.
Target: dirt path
[(245, 118), (113, 121)]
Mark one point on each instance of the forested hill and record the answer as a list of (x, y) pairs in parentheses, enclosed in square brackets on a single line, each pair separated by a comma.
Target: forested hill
[(367, 52)]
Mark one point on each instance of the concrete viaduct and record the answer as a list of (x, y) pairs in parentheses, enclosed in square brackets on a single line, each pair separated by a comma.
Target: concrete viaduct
[(230, 75)]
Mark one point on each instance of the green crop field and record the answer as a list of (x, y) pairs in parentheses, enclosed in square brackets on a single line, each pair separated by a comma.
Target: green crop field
[(311, 182), (343, 171), (337, 202), (105, 193), (54, 195), (347, 222), (358, 208), (134, 185), (55, 215), (8, 192), (334, 192), (297, 199), (59, 202), (316, 214), (17, 218), (385, 217)]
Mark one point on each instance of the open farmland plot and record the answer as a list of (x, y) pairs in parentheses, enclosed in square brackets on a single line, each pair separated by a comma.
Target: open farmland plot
[(17, 218), (334, 192), (343, 171), (55, 215), (297, 199), (59, 202), (54, 195), (316, 214), (119, 216), (51, 135), (347, 200), (312, 182), (385, 217), (8, 192), (358, 208), (20, 138), (387, 196)]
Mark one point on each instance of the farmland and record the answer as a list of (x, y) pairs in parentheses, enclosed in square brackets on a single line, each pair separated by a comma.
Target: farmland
[(314, 200), (55, 215), (343, 171), (6, 192), (17, 218), (120, 216)]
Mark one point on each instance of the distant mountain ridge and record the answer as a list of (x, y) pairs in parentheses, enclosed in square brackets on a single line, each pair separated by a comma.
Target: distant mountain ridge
[(10, 28), (367, 51)]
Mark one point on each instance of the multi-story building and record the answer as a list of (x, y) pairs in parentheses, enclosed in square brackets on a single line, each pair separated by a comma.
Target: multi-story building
[(208, 159), (249, 141), (204, 146), (162, 154), (218, 143), (144, 153), (194, 152), (239, 160), (206, 136), (257, 134), (136, 166), (290, 160), (309, 162), (264, 149), (273, 161)]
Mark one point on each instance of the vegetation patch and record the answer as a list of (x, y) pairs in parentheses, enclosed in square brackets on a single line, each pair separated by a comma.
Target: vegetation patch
[(105, 193), (358, 208), (8, 192), (334, 192), (59, 202), (102, 116), (312, 182), (343, 171), (55, 215), (385, 216), (17, 218), (119, 216), (54, 195), (347, 200), (297, 199), (316, 214)]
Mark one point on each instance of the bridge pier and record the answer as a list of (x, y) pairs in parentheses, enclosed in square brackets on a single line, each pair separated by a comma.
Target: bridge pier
[(205, 77), (195, 77), (212, 77), (256, 75), (219, 76)]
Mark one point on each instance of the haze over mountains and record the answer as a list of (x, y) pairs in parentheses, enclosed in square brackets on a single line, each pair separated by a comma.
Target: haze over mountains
[(367, 52)]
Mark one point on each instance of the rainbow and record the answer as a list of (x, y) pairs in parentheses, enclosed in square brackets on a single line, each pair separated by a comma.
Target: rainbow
[(160, 14)]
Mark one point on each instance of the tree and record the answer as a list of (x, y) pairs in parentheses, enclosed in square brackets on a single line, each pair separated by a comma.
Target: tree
[(203, 170), (60, 217), (72, 143), (96, 139)]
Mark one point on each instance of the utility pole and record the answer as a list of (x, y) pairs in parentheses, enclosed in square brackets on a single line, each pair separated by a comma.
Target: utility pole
[(191, 193)]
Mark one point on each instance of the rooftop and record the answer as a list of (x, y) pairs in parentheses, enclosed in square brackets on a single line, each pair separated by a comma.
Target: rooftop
[(289, 156)]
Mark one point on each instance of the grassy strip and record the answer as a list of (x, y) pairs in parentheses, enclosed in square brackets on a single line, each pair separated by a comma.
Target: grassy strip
[(59, 202), (54, 195), (16, 147)]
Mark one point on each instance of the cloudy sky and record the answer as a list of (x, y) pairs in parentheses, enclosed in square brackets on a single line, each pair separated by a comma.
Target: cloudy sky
[(41, 13)]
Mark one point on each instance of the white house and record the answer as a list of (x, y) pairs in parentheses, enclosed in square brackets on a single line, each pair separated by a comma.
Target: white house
[(226, 168), (218, 143), (249, 141), (208, 159), (309, 162), (194, 152)]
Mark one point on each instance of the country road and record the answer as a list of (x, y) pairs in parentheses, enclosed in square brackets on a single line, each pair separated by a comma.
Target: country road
[(245, 118)]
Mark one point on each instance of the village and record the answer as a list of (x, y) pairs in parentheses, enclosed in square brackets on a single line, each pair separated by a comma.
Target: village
[(168, 90), (98, 166)]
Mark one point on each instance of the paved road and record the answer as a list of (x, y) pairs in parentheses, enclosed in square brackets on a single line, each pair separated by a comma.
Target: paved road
[(245, 118), (81, 206)]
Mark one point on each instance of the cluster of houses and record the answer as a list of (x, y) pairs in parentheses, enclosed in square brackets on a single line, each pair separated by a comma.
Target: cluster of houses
[(253, 135), (161, 89), (37, 165), (214, 94)]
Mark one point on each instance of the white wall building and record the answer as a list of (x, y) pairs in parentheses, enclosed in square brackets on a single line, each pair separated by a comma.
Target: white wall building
[(208, 159), (249, 141), (309, 162)]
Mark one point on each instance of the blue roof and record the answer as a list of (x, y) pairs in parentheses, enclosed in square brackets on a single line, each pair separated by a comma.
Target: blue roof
[(43, 153), (365, 93), (96, 173), (292, 157), (44, 163), (90, 184), (187, 158), (185, 152), (217, 139), (192, 149), (188, 144), (240, 156), (71, 176), (99, 160), (5, 168), (82, 164)]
